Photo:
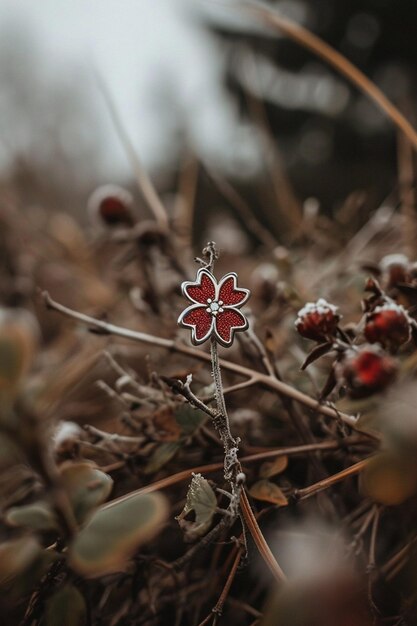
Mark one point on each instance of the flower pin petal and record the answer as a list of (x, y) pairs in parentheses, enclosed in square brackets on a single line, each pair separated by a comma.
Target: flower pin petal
[(214, 311)]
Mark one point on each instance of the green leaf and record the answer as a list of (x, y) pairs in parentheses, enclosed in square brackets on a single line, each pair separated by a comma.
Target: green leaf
[(189, 418), (36, 516), (161, 455), (202, 500), (86, 485), (66, 608), (267, 491), (16, 556), (114, 533)]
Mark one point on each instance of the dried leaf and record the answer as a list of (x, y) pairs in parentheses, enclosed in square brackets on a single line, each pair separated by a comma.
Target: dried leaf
[(316, 353), (166, 425), (188, 420), (274, 467), (267, 491), (202, 500)]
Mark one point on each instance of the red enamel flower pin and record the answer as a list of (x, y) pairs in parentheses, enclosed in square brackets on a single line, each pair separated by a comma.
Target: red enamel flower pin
[(215, 309)]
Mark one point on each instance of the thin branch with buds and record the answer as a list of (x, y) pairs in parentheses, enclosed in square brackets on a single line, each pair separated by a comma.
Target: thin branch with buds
[(256, 378), (239, 504)]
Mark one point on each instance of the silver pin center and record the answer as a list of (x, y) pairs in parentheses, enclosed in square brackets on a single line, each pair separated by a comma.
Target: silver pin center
[(214, 306)]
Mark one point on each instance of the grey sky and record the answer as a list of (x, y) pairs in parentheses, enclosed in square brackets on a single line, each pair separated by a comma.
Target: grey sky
[(143, 48)]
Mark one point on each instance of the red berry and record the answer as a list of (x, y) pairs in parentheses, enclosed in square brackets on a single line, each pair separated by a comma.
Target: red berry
[(317, 320), (112, 205), (367, 371), (388, 325), (395, 269)]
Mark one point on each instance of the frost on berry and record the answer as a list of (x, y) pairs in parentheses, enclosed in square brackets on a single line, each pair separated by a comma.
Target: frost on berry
[(395, 269), (367, 371), (317, 320), (387, 325)]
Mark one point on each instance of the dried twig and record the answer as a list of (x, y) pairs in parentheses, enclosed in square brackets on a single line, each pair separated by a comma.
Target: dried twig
[(259, 378), (323, 50), (307, 492), (144, 182)]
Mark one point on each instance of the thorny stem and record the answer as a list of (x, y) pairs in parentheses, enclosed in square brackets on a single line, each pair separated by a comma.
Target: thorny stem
[(211, 254), (239, 504), (232, 468), (217, 377), (221, 420)]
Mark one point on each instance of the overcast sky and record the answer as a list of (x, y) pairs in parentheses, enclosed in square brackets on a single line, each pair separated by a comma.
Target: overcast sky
[(143, 48)]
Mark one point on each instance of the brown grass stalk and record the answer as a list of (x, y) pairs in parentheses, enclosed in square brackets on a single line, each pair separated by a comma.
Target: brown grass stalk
[(266, 380), (320, 48)]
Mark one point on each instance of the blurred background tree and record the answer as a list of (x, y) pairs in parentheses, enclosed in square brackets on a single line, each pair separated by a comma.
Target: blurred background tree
[(332, 141), (263, 111)]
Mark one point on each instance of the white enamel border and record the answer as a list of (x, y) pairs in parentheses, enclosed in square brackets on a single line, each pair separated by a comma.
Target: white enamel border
[(181, 322), (235, 287), (213, 328), (233, 329), (196, 283)]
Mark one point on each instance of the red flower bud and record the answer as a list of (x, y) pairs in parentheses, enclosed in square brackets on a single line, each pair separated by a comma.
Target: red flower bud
[(388, 325), (317, 320), (366, 372), (395, 269), (112, 205)]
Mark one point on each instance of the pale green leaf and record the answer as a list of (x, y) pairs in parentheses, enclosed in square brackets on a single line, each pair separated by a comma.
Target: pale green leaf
[(66, 608), (202, 500), (115, 532), (37, 516)]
